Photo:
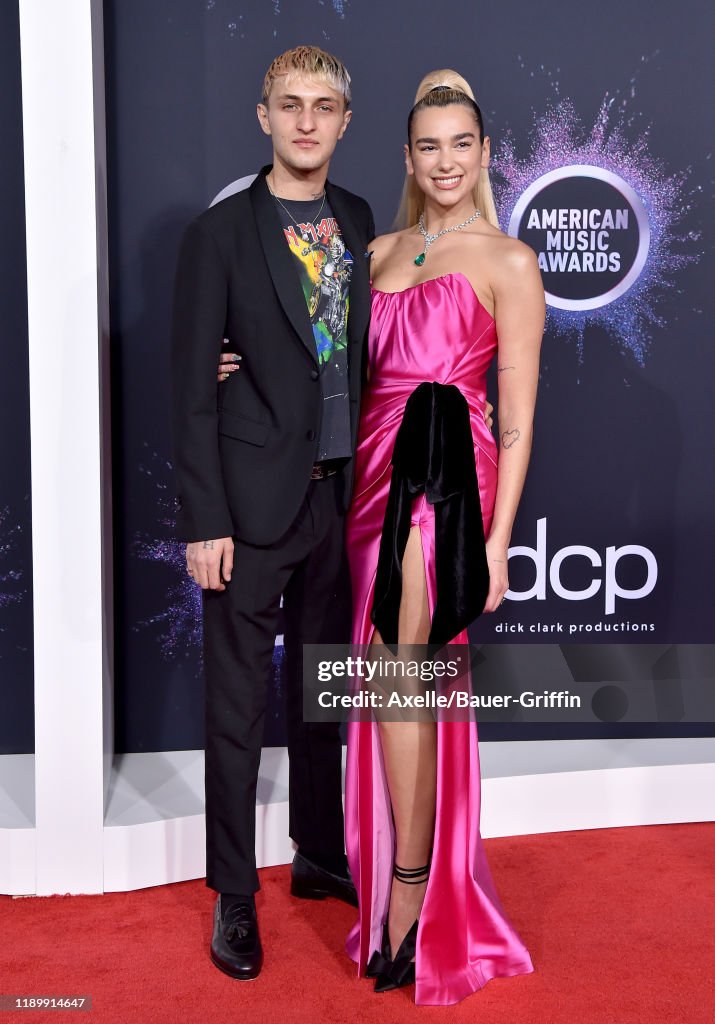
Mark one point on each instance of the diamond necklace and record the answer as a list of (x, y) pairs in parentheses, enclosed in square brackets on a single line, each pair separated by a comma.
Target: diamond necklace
[(303, 234), (429, 239)]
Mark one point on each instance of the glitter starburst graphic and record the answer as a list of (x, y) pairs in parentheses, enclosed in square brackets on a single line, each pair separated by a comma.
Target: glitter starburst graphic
[(560, 139), (177, 624), (10, 576), (11, 590), (237, 25)]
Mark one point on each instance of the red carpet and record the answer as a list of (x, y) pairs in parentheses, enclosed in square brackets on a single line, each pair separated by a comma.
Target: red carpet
[(620, 924)]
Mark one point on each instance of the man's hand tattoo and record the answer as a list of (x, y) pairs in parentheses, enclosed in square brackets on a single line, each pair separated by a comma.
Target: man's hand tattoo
[(510, 437), (208, 544)]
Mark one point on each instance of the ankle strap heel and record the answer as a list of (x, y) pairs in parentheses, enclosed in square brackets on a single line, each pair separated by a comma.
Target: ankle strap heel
[(399, 970), (412, 876)]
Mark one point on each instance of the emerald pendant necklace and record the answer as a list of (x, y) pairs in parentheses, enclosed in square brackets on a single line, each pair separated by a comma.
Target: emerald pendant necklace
[(429, 239)]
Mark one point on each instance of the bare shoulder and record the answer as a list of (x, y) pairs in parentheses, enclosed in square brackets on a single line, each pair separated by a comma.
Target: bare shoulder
[(517, 285), (512, 258), (497, 264)]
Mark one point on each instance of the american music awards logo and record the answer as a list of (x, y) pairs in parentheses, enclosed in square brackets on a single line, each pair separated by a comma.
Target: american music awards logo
[(591, 233), (605, 218)]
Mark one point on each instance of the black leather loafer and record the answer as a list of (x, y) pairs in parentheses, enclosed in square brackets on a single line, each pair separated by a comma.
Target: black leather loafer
[(236, 945), (311, 882)]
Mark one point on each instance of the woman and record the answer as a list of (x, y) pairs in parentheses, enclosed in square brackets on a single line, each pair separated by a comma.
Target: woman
[(449, 291)]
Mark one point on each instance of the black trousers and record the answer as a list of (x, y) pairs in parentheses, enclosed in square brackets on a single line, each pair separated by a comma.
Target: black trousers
[(308, 567)]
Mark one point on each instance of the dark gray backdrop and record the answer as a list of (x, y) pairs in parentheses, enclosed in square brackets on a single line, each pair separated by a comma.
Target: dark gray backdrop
[(16, 692), (623, 452)]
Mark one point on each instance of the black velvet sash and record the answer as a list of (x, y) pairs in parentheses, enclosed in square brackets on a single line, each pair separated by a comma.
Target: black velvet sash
[(434, 454)]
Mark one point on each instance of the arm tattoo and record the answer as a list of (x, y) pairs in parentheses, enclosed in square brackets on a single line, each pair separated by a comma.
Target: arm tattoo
[(208, 544), (500, 369), (510, 437)]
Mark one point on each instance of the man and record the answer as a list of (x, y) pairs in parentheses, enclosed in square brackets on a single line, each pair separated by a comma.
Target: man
[(264, 472)]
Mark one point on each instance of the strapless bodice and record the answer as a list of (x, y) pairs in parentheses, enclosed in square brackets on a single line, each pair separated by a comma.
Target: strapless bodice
[(437, 330)]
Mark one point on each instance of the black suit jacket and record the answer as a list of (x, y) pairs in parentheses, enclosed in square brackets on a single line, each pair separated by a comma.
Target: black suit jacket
[(244, 449)]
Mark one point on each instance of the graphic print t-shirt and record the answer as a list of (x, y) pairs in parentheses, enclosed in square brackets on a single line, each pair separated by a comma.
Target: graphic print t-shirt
[(324, 266)]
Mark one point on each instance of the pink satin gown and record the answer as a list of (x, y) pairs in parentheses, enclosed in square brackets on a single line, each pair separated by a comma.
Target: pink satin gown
[(435, 331)]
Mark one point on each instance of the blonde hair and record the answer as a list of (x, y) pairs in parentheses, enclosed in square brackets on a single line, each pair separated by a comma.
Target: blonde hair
[(309, 60), (441, 89)]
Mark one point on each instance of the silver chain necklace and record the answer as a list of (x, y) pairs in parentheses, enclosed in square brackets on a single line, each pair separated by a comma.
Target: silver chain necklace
[(429, 239), (303, 234)]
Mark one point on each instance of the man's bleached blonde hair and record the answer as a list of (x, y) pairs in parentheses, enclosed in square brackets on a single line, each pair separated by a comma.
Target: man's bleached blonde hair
[(312, 61)]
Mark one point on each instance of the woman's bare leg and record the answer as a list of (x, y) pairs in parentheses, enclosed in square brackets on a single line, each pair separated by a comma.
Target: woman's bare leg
[(409, 751)]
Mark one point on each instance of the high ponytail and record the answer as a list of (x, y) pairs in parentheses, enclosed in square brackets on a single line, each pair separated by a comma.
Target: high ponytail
[(442, 89)]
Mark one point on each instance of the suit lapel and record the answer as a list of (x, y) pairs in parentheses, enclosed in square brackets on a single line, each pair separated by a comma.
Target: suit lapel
[(280, 262)]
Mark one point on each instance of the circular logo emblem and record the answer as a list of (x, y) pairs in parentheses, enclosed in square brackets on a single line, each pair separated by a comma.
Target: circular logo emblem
[(590, 231)]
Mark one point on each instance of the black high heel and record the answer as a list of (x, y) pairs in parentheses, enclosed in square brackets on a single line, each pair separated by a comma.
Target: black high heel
[(392, 973), (400, 971)]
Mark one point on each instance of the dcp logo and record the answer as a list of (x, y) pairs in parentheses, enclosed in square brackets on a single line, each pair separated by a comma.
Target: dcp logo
[(608, 579), (590, 231)]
